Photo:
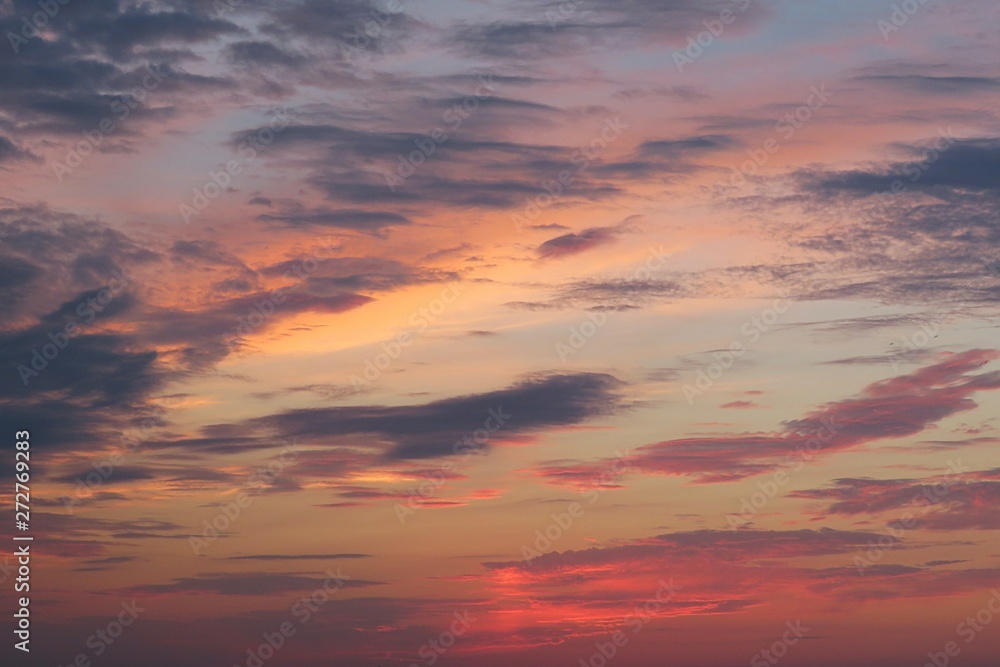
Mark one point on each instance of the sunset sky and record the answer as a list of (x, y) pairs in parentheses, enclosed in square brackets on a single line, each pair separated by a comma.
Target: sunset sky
[(481, 333)]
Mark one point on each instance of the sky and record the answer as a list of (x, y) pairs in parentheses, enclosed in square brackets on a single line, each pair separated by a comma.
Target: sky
[(490, 332)]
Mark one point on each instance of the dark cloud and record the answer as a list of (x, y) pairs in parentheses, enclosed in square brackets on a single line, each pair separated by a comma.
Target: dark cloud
[(927, 244), (571, 244), (252, 583), (205, 251), (355, 219), (965, 165), (327, 391), (674, 149), (112, 560), (935, 85), (263, 54), (362, 25), (99, 381), (122, 474), (220, 323), (99, 369), (10, 152), (123, 33), (16, 272), (422, 431), (76, 536), (374, 168), (666, 157), (349, 274), (94, 54), (554, 28)]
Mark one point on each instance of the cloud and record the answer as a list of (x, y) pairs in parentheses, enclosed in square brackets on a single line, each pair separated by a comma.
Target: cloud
[(10, 152), (122, 474), (277, 557), (555, 29), (958, 502), (619, 293), (95, 53), (934, 85), (251, 583), (372, 222), (371, 167), (345, 23), (263, 54), (739, 405), (88, 537), (534, 405), (16, 272), (338, 275), (742, 546), (888, 409), (330, 392), (966, 164), (575, 243), (659, 158), (713, 572)]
